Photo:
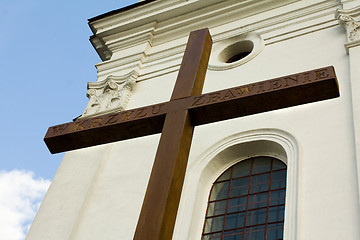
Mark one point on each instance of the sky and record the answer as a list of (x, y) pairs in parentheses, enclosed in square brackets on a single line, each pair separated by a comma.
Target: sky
[(46, 61)]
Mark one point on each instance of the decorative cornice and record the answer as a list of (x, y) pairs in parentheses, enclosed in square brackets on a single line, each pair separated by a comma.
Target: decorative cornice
[(274, 28), (109, 95), (248, 16), (100, 48), (135, 17), (351, 44), (350, 19), (133, 37), (107, 45), (132, 61), (143, 47)]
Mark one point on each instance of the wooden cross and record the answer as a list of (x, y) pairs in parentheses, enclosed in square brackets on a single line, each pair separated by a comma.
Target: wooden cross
[(176, 120)]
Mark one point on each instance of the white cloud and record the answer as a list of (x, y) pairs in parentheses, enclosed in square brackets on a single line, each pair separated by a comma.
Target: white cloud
[(20, 196)]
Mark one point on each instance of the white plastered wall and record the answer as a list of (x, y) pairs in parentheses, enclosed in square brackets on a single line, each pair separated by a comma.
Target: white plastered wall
[(97, 192)]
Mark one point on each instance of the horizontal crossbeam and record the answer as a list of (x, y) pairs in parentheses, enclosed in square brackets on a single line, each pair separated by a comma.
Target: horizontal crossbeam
[(306, 87)]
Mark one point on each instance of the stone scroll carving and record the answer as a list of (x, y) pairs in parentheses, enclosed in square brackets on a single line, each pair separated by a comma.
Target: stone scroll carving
[(351, 25), (109, 95), (350, 19)]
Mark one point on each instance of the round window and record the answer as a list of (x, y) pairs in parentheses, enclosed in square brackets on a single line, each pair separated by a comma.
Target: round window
[(235, 51)]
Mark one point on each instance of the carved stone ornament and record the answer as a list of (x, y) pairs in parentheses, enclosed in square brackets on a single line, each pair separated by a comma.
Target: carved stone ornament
[(109, 95), (350, 19), (351, 25)]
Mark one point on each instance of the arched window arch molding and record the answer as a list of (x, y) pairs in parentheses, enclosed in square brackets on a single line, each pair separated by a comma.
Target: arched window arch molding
[(202, 172)]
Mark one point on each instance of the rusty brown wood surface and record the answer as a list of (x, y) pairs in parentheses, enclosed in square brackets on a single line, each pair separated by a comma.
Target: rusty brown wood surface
[(159, 210), (306, 87)]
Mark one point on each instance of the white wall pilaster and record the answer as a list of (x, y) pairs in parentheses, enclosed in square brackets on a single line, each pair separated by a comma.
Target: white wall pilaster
[(350, 19)]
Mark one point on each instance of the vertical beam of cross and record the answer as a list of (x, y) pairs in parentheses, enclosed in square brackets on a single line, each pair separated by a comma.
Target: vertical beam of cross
[(159, 210)]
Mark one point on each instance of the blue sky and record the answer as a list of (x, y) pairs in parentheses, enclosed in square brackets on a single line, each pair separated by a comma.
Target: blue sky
[(46, 60)]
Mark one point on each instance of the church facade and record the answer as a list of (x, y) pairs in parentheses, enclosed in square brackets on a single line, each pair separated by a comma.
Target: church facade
[(291, 173)]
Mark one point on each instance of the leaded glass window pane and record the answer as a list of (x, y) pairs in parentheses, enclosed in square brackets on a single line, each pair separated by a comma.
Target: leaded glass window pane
[(216, 208), (241, 170), (233, 235), (261, 165), (237, 204), (214, 224), (247, 202), (258, 200), (275, 231), (214, 236), (239, 187), (219, 191), (254, 233), (259, 183)]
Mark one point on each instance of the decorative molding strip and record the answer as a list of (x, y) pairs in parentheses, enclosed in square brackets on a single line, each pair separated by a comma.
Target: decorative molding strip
[(134, 18), (352, 44), (152, 57), (130, 38), (160, 72), (350, 19), (220, 14), (133, 59), (276, 34), (249, 18), (107, 45), (273, 29), (100, 48), (109, 95), (283, 36), (168, 52)]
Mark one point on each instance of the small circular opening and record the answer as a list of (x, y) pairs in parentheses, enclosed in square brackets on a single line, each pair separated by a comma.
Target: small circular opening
[(236, 51), (237, 57)]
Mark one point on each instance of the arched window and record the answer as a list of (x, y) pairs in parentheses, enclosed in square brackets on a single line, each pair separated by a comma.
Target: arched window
[(247, 202)]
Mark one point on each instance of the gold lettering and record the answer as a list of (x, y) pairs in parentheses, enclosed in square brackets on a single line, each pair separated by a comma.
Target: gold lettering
[(140, 113), (59, 129), (246, 89), (291, 78), (197, 100), (111, 119), (79, 126), (96, 121), (213, 97), (321, 74), (228, 95)]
